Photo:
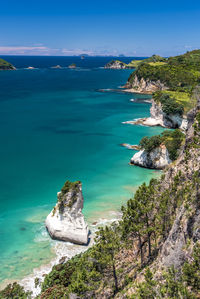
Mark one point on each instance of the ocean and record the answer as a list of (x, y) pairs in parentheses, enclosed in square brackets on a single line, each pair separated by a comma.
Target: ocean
[(57, 124)]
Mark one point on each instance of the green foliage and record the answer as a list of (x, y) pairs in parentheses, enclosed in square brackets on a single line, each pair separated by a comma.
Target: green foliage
[(155, 59), (175, 77), (14, 291), (171, 139), (169, 104), (4, 65), (191, 270), (150, 143), (70, 186), (146, 290), (73, 187), (189, 60), (185, 284)]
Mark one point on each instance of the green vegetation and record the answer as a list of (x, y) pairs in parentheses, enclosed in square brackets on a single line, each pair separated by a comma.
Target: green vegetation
[(146, 221), (14, 291), (73, 187), (150, 143), (4, 65), (111, 266), (153, 60), (179, 76), (169, 103), (189, 60), (73, 65), (171, 139), (183, 285), (176, 78)]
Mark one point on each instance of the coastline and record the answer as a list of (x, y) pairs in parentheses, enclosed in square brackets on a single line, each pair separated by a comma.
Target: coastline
[(28, 280), (65, 250)]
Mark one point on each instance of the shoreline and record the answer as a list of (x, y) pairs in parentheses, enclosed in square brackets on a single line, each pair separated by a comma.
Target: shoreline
[(63, 251)]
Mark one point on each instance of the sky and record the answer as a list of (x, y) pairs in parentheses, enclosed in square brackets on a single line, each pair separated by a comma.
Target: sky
[(132, 28)]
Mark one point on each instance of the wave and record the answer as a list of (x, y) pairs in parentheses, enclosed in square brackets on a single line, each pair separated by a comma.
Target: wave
[(63, 252)]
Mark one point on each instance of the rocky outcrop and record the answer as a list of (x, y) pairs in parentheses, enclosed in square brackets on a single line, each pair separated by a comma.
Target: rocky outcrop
[(159, 118), (66, 221), (167, 120), (158, 158), (144, 86), (115, 64), (72, 66)]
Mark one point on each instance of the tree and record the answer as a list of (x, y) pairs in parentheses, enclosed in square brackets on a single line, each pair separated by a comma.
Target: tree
[(107, 246)]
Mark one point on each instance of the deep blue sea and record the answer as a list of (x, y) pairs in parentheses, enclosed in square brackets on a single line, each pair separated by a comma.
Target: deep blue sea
[(56, 124)]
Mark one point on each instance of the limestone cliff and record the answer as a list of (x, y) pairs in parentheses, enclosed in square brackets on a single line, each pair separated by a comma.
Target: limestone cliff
[(167, 120), (144, 86), (160, 118), (66, 221), (156, 159)]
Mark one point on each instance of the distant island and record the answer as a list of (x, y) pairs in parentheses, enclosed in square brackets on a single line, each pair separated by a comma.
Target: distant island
[(72, 66), (5, 65)]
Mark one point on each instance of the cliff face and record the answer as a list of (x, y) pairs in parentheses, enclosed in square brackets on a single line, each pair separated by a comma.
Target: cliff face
[(168, 121), (66, 221), (145, 86), (156, 159), (185, 231)]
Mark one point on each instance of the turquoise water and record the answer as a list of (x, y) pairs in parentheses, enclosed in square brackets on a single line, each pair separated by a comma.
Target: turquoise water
[(57, 125)]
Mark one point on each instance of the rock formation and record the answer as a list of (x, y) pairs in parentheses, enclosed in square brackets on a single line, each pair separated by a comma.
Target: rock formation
[(144, 86), (167, 120), (66, 221), (158, 158), (115, 64), (159, 118), (72, 66)]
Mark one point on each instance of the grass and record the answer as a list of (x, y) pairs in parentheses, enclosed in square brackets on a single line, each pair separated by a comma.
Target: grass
[(134, 63), (183, 98), (156, 63)]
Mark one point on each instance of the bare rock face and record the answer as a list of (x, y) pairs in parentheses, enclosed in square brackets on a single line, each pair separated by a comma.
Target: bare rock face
[(145, 86), (115, 64), (156, 159), (167, 121), (66, 221)]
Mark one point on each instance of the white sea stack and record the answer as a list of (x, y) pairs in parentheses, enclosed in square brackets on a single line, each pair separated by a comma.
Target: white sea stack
[(66, 221)]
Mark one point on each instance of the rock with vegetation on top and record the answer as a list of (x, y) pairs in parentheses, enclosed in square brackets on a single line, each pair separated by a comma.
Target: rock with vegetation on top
[(4, 65), (146, 86), (115, 64), (72, 66), (66, 221), (158, 158)]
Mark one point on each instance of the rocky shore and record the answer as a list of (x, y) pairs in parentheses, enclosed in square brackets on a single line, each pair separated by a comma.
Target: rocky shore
[(159, 118)]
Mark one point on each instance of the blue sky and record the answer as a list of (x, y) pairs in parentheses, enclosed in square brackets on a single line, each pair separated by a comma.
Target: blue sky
[(132, 28)]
